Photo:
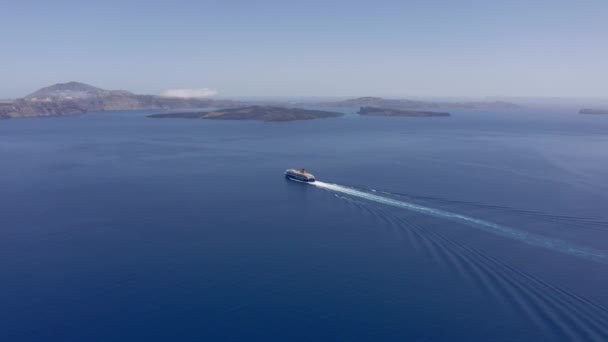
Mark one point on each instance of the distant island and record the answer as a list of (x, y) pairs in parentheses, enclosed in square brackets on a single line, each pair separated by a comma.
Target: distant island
[(593, 111), (261, 113), (74, 98), (376, 111), (380, 102)]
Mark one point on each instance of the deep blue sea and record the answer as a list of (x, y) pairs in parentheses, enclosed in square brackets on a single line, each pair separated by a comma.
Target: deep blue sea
[(485, 226)]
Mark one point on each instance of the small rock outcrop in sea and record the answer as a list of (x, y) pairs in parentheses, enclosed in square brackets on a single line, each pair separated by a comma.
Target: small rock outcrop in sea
[(593, 111), (261, 113), (377, 111)]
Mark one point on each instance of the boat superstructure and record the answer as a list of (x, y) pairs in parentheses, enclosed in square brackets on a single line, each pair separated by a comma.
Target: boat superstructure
[(299, 175)]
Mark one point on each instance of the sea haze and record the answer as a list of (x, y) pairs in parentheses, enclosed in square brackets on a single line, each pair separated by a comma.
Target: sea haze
[(120, 227)]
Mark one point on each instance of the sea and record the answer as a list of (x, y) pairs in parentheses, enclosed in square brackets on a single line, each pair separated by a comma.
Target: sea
[(484, 226)]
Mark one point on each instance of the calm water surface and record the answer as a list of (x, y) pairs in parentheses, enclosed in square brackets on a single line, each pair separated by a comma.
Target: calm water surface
[(118, 227)]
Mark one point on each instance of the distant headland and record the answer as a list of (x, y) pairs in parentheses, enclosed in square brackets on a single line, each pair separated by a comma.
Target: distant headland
[(74, 98), (261, 113), (593, 111), (377, 111)]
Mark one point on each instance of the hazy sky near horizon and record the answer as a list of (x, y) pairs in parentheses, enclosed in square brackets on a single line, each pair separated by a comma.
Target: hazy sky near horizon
[(309, 48)]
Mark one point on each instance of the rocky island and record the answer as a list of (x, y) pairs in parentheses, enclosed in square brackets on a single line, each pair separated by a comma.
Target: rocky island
[(377, 111), (593, 111), (261, 113)]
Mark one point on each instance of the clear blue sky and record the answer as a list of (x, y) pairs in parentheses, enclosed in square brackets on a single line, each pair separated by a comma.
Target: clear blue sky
[(308, 48)]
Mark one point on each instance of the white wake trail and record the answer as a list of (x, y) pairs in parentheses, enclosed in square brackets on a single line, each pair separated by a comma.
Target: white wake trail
[(515, 234)]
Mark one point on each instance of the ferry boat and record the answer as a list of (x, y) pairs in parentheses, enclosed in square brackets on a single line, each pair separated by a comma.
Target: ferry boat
[(299, 175)]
